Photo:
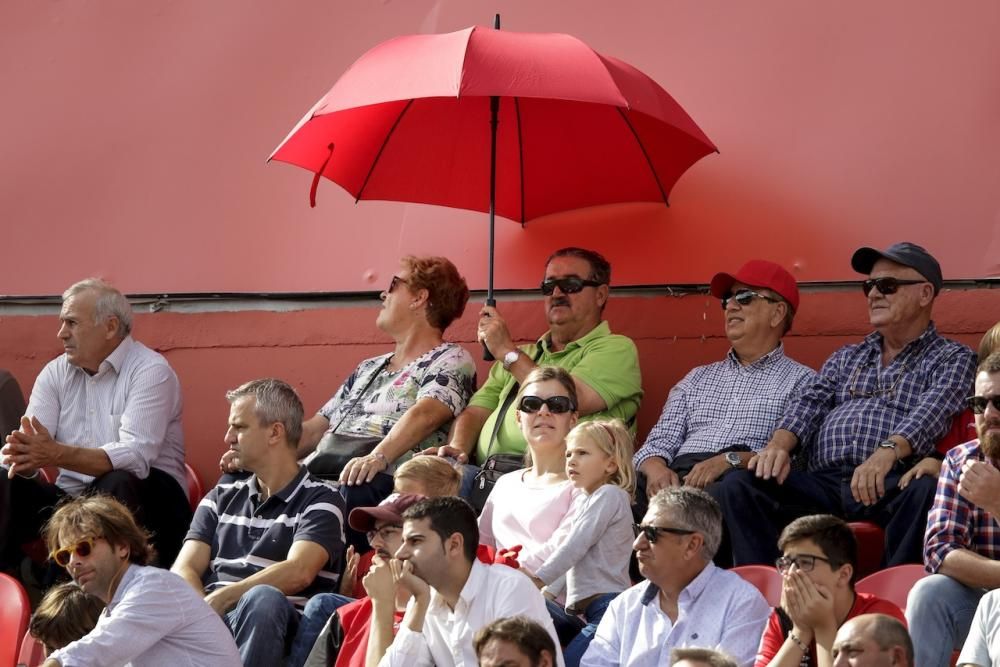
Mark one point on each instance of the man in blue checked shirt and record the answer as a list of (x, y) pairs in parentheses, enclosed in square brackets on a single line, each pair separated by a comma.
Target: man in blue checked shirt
[(874, 409)]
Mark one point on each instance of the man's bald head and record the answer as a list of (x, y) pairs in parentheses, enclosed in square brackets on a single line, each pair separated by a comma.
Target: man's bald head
[(873, 640)]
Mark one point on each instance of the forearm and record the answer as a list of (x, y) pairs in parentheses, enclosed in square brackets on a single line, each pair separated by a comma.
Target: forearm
[(465, 432), (312, 432), (89, 461), (972, 569), (288, 576), (783, 439), (380, 633), (414, 618), (188, 574), (422, 419)]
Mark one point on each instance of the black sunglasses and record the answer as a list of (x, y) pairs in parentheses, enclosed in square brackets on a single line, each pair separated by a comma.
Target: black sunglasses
[(570, 285), (652, 533), (804, 562), (557, 404), (745, 296), (978, 403), (887, 286), (396, 280)]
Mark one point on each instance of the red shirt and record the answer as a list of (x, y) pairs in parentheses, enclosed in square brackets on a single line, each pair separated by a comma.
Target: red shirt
[(355, 620), (775, 635)]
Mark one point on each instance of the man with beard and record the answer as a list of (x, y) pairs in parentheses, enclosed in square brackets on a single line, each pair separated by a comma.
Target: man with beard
[(963, 539)]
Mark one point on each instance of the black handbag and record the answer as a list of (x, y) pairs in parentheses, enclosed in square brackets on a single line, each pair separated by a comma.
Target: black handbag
[(335, 450)]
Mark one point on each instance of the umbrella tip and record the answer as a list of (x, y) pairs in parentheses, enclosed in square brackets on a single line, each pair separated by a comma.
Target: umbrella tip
[(496, 21)]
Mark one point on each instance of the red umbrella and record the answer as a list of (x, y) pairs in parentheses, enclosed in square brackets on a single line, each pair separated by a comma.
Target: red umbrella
[(571, 128)]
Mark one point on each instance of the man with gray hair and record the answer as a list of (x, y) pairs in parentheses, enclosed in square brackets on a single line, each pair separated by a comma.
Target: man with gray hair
[(687, 600), (107, 413), (259, 547)]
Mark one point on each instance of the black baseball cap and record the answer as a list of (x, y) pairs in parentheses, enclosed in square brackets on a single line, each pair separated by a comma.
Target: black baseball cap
[(905, 253)]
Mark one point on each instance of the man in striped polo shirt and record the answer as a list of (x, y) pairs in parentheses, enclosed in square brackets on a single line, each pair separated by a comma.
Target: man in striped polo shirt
[(259, 547)]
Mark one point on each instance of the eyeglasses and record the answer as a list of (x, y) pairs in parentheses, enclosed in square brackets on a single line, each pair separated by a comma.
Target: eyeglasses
[(745, 296), (804, 563), (570, 285), (396, 280), (82, 549), (557, 404), (652, 533), (887, 286), (978, 403), (383, 533), (879, 389)]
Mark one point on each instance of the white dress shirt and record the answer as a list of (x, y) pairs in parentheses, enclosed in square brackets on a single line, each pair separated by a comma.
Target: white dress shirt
[(491, 592), (131, 408), (717, 610)]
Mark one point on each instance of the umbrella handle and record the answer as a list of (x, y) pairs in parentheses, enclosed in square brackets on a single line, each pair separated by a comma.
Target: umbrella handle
[(487, 355)]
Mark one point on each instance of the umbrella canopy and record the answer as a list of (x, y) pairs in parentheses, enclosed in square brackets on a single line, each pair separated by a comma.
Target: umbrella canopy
[(410, 121)]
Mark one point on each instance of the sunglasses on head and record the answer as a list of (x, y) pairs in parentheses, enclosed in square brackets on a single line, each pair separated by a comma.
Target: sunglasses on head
[(886, 286), (978, 403), (744, 297), (652, 533), (82, 549), (557, 405), (570, 285)]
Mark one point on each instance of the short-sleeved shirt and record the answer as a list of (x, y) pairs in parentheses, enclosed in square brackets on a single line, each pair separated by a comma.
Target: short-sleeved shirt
[(447, 373), (982, 647), (607, 363), (247, 535)]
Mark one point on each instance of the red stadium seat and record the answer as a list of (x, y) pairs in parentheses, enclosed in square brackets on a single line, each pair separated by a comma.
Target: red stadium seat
[(765, 578), (893, 583), (195, 489), (871, 544), (32, 652), (14, 612)]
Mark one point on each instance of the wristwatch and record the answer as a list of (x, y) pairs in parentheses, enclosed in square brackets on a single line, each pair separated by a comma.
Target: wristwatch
[(734, 460), (510, 358), (890, 444)]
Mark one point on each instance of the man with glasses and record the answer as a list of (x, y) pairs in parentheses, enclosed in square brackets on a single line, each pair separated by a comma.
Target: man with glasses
[(686, 600), (818, 563), (259, 547), (874, 408), (604, 366), (719, 415), (962, 548), (152, 617)]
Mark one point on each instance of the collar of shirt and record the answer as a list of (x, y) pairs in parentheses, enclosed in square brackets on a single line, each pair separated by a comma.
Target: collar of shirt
[(874, 342), (690, 593), (284, 495), (113, 361), (602, 329), (774, 356), (130, 573), (473, 586)]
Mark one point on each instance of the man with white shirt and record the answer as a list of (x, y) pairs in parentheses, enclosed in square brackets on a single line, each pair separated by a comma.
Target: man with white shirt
[(454, 594), (107, 413), (687, 600)]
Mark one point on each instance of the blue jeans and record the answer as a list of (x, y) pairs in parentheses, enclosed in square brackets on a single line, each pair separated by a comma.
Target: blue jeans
[(939, 612), (318, 611), (593, 614), (469, 473), (568, 626), (261, 622)]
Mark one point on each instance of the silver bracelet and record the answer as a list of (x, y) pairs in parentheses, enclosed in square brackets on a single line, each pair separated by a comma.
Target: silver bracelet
[(798, 642)]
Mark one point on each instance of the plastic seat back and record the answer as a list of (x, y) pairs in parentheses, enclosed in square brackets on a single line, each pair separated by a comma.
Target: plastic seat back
[(195, 490), (14, 612), (871, 545), (765, 578), (32, 652), (892, 584)]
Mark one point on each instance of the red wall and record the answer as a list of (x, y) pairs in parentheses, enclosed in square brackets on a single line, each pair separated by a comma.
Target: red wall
[(314, 350)]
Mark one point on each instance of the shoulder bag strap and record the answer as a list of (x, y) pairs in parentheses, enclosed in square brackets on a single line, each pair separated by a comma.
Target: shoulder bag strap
[(508, 399), (364, 390)]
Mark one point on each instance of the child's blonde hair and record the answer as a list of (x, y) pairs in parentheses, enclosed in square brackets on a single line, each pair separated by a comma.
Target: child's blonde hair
[(433, 473), (612, 438)]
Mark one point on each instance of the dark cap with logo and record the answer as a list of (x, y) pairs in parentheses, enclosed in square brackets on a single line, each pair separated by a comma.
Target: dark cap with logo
[(905, 253)]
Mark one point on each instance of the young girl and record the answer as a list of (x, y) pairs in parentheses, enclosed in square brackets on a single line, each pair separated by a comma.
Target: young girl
[(594, 555)]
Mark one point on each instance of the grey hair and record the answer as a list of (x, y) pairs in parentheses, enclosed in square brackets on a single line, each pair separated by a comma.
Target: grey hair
[(109, 302), (692, 509), (276, 401)]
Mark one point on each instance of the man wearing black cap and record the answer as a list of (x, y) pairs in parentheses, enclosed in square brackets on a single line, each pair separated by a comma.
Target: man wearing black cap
[(719, 415), (874, 409)]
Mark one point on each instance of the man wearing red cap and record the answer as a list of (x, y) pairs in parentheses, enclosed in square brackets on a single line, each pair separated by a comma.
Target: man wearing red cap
[(719, 415), (873, 410)]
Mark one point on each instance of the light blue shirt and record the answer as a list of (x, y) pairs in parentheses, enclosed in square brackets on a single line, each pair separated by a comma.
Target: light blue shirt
[(717, 610)]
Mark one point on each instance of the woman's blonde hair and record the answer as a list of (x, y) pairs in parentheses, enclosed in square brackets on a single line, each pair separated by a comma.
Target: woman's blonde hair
[(436, 475), (612, 438)]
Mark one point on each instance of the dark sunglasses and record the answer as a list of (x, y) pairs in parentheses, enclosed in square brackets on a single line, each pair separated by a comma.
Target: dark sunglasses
[(82, 549), (394, 283), (886, 286), (805, 563), (745, 296), (652, 533), (978, 403), (570, 285), (557, 404)]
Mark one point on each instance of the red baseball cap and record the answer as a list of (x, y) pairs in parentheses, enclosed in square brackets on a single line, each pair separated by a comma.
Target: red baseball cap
[(759, 273), (391, 509)]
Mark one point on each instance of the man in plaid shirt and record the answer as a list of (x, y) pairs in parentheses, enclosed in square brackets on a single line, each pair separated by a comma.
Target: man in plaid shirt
[(873, 410), (963, 538)]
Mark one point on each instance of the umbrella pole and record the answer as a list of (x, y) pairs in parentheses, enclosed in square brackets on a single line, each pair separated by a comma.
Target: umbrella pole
[(494, 113)]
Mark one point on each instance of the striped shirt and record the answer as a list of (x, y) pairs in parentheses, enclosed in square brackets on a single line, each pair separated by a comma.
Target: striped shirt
[(247, 535), (131, 408), (855, 403), (726, 404), (954, 522)]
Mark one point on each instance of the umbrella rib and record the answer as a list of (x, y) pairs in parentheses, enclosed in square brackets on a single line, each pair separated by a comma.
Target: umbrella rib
[(644, 154), (378, 155), (520, 153)]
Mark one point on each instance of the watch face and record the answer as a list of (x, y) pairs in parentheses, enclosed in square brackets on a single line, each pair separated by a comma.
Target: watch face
[(733, 459)]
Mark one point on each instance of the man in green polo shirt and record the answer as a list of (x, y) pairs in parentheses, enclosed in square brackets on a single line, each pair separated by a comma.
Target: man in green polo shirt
[(605, 366)]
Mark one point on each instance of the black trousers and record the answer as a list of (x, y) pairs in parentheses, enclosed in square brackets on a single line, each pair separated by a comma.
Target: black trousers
[(158, 503)]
